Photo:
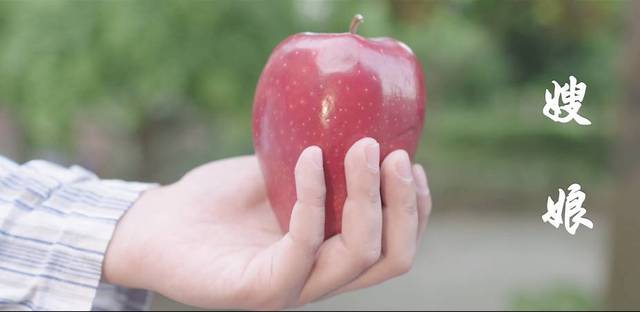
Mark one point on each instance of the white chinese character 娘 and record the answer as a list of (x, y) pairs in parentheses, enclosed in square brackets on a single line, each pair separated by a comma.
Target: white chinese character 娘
[(571, 95), (573, 211)]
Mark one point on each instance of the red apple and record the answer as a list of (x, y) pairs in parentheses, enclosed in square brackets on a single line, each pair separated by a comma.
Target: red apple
[(331, 90)]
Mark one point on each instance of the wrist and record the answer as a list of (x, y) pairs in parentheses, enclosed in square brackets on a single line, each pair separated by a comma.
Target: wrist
[(124, 257)]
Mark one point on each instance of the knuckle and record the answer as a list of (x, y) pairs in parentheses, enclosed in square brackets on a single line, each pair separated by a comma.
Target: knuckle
[(308, 242), (410, 207), (313, 241), (367, 257), (311, 195), (401, 265), (373, 195), (318, 196)]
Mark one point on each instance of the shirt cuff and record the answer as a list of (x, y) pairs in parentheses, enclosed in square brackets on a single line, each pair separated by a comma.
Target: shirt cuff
[(55, 226)]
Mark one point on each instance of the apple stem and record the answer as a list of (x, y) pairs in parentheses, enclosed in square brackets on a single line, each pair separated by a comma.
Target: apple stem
[(355, 22)]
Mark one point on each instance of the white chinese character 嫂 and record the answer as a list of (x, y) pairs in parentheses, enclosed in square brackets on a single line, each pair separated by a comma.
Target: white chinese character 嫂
[(571, 94)]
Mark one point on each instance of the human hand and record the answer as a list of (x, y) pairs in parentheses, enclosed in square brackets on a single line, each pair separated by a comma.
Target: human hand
[(211, 239)]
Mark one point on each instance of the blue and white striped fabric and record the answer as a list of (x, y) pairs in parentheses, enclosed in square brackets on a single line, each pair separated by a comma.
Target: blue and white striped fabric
[(55, 225)]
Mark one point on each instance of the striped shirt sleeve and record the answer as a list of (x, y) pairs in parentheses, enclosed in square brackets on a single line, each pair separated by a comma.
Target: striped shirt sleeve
[(55, 225)]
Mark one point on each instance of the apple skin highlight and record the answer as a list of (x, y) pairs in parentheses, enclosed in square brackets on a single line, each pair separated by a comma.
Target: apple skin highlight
[(331, 90)]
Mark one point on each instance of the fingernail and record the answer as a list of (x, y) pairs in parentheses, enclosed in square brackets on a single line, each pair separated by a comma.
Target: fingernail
[(372, 154), (403, 167), (421, 179), (315, 155)]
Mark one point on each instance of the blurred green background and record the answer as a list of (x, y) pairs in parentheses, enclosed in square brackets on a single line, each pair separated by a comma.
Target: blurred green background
[(146, 90)]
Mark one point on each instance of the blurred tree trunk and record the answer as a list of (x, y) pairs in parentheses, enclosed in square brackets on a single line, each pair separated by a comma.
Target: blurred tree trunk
[(146, 131), (624, 286), (410, 11), (10, 136)]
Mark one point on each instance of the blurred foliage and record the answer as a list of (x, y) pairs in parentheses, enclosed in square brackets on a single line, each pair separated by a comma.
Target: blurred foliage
[(143, 57), (153, 71), (561, 297)]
